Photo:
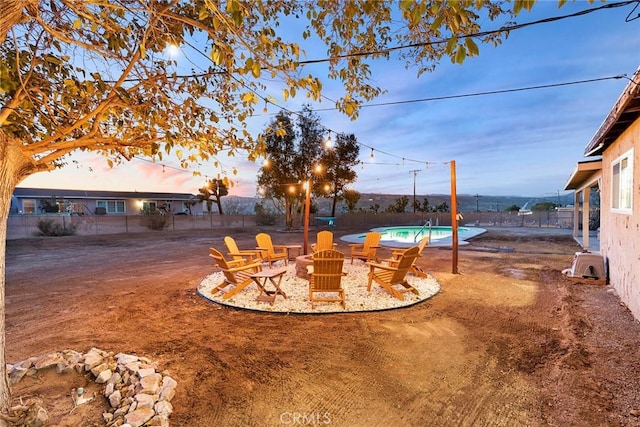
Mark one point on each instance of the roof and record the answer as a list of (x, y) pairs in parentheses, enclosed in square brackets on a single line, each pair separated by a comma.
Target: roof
[(586, 174), (97, 194), (625, 111)]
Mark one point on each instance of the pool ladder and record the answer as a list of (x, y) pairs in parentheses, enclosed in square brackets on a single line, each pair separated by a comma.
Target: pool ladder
[(415, 238)]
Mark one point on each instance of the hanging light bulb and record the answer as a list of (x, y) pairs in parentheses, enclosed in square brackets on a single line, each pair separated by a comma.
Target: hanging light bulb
[(328, 143), (372, 156), (266, 162)]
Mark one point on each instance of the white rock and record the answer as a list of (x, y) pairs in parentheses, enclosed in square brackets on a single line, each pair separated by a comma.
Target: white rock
[(123, 358), (107, 417), (104, 376), (110, 388), (151, 384), (163, 408), (139, 417), (115, 399), (49, 360), (145, 372), (145, 400), (168, 388), (159, 421)]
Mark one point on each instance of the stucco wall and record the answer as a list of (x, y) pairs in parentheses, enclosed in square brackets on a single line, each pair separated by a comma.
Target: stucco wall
[(620, 233)]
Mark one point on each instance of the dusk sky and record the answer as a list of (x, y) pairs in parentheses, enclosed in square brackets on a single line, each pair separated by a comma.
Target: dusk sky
[(523, 143)]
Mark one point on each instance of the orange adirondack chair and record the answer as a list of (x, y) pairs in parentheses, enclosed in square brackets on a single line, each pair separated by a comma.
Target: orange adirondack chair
[(237, 254), (237, 273), (326, 277), (367, 250), (324, 241), (415, 269), (393, 278), (269, 252)]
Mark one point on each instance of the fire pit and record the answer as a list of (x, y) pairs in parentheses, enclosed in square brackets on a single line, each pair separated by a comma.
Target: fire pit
[(302, 262)]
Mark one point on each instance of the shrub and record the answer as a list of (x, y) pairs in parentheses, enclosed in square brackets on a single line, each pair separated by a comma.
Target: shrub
[(156, 220), (265, 216), (50, 227)]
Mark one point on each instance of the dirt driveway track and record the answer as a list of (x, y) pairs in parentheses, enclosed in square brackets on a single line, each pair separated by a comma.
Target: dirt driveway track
[(507, 342)]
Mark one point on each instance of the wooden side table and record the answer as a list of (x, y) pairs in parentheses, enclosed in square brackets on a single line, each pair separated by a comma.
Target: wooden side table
[(273, 276)]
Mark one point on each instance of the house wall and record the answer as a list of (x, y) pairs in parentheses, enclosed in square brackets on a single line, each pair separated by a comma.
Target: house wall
[(620, 233)]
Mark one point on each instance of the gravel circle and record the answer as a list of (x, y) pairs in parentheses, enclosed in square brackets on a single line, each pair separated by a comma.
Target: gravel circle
[(297, 290)]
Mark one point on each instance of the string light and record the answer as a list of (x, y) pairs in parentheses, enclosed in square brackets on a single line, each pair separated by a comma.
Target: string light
[(372, 156)]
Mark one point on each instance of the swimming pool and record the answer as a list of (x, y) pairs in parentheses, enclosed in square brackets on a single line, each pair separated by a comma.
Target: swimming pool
[(407, 236)]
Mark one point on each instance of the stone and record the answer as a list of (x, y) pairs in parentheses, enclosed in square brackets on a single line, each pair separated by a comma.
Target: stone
[(145, 400), (104, 376), (163, 408), (97, 369), (168, 388), (64, 367), (159, 421), (133, 367), (635, 412), (91, 360), (17, 374), (115, 399), (107, 417), (145, 372), (49, 360), (123, 358), (110, 388), (151, 384), (138, 417), (121, 411)]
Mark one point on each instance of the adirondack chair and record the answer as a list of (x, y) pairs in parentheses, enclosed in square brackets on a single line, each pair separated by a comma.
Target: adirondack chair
[(236, 273), (326, 277), (269, 252), (393, 278), (367, 250), (415, 269), (237, 254), (324, 241)]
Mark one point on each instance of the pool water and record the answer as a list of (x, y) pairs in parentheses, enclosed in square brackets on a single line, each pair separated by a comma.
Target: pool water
[(406, 236)]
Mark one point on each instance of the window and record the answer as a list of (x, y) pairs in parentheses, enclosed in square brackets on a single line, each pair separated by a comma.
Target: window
[(622, 183), (149, 206), (29, 206), (111, 206)]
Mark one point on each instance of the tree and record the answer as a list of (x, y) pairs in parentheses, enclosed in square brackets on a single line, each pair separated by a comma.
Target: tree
[(213, 191), (424, 207), (512, 208), (351, 197), (339, 161), (400, 205), (91, 75), (544, 206), (293, 152)]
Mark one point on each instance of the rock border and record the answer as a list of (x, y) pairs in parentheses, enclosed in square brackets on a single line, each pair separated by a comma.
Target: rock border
[(138, 394)]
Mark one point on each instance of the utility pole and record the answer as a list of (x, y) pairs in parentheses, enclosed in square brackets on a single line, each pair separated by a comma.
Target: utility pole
[(414, 172)]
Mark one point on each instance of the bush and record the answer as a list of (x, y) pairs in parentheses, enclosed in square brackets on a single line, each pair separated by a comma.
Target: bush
[(156, 221), (265, 216), (50, 227)]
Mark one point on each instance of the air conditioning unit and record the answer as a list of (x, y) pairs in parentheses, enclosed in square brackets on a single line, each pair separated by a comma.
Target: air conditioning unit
[(588, 268)]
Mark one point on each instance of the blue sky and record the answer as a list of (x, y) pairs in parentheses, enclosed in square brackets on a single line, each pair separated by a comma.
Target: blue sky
[(523, 143)]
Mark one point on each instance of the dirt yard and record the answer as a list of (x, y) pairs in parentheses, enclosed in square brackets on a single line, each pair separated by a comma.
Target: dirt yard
[(507, 342)]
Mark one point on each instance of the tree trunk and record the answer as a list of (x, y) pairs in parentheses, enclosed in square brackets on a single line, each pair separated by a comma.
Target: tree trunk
[(14, 167), (219, 203), (335, 203)]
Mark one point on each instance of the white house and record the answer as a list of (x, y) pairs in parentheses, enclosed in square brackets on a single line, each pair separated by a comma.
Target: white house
[(80, 202), (613, 169)]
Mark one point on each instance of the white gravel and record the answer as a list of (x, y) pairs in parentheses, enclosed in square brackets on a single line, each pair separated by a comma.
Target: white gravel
[(297, 290)]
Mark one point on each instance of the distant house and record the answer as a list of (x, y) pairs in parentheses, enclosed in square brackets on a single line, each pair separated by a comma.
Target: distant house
[(614, 172), (80, 202)]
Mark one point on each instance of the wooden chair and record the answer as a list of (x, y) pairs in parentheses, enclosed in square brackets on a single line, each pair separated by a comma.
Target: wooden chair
[(237, 254), (237, 273), (367, 250), (326, 277), (392, 277), (415, 269), (324, 241), (269, 252)]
